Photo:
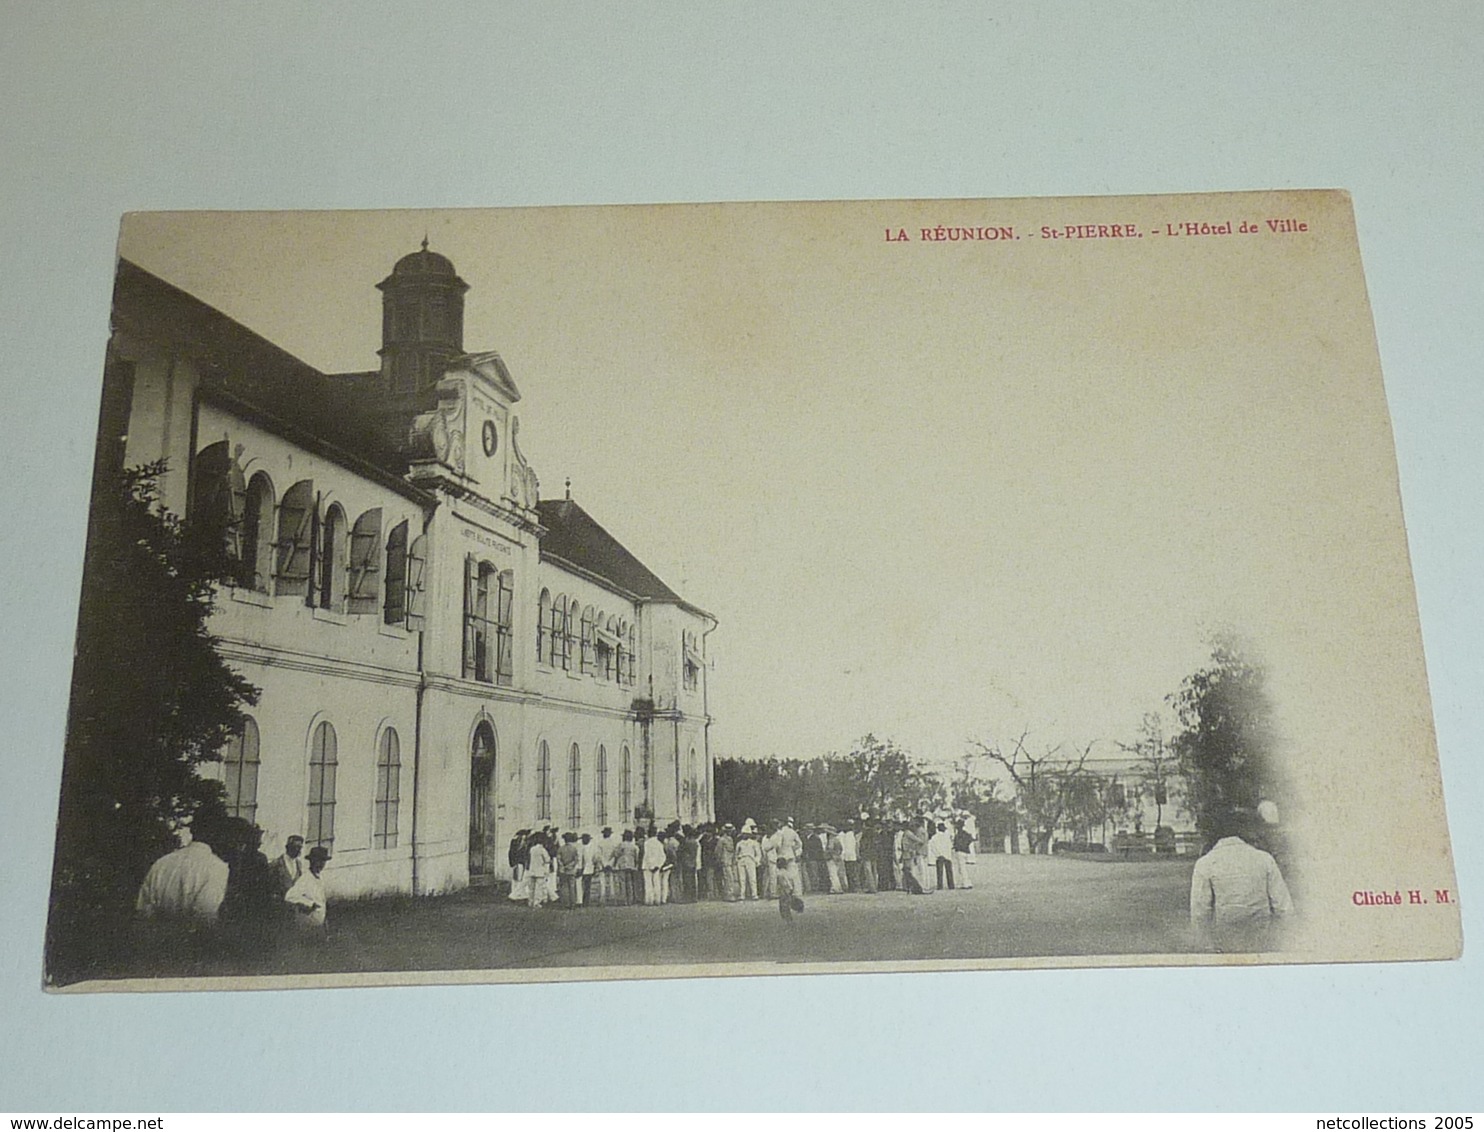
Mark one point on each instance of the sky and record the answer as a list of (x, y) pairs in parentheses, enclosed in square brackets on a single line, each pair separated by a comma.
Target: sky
[(932, 490)]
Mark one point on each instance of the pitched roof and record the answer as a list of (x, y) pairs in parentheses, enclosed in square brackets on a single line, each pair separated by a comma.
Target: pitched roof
[(251, 370), (575, 538)]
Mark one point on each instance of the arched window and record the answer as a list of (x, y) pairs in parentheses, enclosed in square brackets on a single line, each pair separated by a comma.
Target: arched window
[(574, 786), (363, 584), (620, 651), (574, 617), (388, 790), (394, 609), (298, 534), (320, 828), (558, 632), (543, 614), (631, 654), (543, 783), (257, 534), (600, 788), (240, 771), (589, 657), (603, 631), (626, 784), (332, 561)]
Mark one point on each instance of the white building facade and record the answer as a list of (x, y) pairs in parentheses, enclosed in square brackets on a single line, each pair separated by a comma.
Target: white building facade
[(444, 658)]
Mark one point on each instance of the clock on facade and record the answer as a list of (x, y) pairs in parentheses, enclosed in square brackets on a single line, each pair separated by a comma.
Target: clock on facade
[(491, 441)]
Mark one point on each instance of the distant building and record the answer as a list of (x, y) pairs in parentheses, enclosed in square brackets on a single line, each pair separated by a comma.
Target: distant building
[(1142, 807), (445, 657)]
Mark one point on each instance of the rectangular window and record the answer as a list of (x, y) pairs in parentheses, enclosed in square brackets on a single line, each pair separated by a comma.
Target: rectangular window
[(479, 629)]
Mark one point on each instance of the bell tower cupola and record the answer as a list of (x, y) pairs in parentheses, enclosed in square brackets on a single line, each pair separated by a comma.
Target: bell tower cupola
[(422, 321)]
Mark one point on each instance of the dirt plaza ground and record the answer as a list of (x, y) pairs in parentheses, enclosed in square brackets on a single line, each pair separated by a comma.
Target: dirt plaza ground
[(1019, 906)]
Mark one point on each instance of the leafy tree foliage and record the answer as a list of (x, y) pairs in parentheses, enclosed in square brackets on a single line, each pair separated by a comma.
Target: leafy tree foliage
[(995, 816), (151, 700), (1156, 774), (876, 777), (1225, 751), (1051, 789)]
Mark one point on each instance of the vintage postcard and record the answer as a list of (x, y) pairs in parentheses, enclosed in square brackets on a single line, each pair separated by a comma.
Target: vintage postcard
[(625, 592)]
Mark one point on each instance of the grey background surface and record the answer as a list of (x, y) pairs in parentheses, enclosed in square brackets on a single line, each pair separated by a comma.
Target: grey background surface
[(111, 108)]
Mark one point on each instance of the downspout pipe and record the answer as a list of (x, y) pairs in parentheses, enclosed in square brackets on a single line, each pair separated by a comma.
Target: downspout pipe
[(417, 749)]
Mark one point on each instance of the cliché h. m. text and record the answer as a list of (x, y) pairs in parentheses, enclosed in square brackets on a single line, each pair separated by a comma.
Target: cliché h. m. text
[(1365, 898), (1179, 229)]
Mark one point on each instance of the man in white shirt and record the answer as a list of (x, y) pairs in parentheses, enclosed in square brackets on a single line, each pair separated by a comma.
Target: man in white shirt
[(850, 857), (940, 851), (652, 861), (749, 855), (186, 886), (1238, 899), (307, 896), (605, 849), (788, 849)]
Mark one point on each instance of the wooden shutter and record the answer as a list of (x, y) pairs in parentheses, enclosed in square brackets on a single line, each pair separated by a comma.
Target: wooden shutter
[(417, 584), (471, 590), (297, 531), (504, 663), (236, 504), (396, 575), (365, 563), (316, 553)]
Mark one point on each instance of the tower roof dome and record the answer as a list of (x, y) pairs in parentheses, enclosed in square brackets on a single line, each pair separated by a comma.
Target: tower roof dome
[(424, 262)]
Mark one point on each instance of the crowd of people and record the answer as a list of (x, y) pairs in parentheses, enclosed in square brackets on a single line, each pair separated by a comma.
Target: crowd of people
[(221, 878), (681, 864)]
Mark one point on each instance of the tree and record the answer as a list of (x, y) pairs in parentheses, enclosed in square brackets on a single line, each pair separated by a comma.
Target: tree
[(1225, 751), (151, 700), (883, 779), (993, 815), (1157, 769), (875, 777), (1050, 788)]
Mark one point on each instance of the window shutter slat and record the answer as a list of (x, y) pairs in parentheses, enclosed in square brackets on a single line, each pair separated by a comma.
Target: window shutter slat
[(365, 563), (471, 588), (396, 575), (236, 504), (295, 536), (417, 571)]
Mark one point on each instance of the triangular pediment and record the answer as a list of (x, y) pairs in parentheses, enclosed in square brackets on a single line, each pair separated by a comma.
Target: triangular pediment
[(492, 369)]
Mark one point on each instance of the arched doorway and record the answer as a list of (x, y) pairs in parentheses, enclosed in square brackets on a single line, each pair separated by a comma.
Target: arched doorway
[(483, 843)]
